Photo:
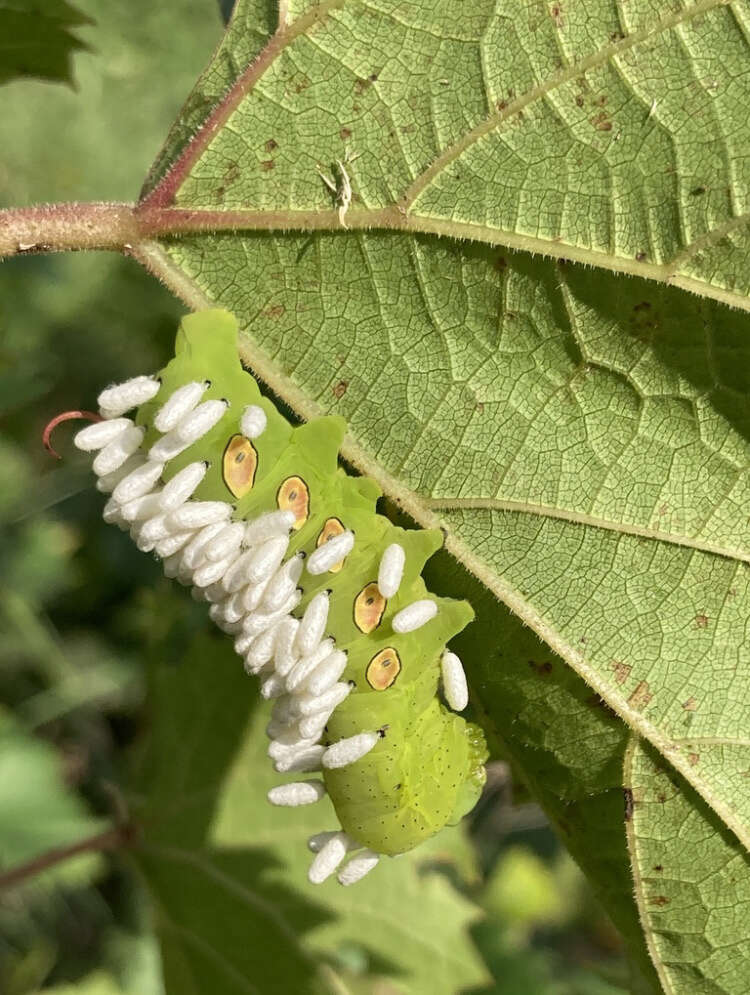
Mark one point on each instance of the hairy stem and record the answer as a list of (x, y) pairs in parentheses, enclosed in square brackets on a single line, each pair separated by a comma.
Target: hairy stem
[(61, 227), (110, 839)]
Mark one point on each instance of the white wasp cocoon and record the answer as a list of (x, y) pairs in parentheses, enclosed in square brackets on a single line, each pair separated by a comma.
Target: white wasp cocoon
[(328, 858), (350, 750), (197, 514), (251, 596), (272, 687), (258, 622), (312, 704), (356, 868), (261, 651), (283, 583), (139, 482), (297, 793), (305, 760), (194, 551), (253, 421), (112, 513), (285, 656), (257, 565), (108, 481), (116, 452), (200, 421), (272, 523), (454, 681), (304, 667), (166, 547), (225, 542), (178, 405), (171, 565), (150, 533), (140, 508), (313, 624), (329, 554), (414, 616), (166, 448), (211, 571), (312, 726), (177, 490), (325, 675), (277, 749), (267, 558), (230, 610), (153, 530), (115, 401), (316, 842), (391, 570), (100, 434)]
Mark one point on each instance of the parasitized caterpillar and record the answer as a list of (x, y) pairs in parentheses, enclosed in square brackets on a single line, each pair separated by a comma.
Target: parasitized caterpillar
[(323, 595)]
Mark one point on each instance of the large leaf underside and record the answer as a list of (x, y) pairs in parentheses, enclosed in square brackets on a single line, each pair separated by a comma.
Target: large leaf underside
[(581, 436)]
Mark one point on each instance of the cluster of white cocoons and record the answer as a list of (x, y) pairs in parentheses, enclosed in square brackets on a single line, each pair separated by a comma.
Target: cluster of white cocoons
[(242, 569)]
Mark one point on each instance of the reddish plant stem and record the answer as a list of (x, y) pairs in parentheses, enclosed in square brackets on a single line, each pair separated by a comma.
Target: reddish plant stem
[(61, 227), (110, 839)]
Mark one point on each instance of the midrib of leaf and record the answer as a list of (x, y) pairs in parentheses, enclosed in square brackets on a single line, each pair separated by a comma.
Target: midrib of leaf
[(158, 214), (154, 256)]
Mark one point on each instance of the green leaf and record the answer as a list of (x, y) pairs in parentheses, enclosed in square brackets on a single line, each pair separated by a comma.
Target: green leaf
[(38, 812), (692, 882), (37, 38), (581, 437), (227, 871)]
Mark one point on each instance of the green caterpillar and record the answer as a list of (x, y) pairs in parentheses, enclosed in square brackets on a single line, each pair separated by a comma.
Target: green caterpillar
[(323, 595)]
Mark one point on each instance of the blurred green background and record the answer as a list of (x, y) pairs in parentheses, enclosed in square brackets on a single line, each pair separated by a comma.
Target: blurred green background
[(83, 614)]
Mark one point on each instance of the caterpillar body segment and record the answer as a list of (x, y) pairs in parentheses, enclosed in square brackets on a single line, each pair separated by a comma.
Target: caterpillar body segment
[(323, 596)]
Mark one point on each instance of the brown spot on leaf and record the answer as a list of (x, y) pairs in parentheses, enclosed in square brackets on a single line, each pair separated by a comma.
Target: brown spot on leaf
[(641, 696), (697, 191), (622, 671), (690, 705), (658, 867), (640, 256), (658, 900), (271, 145), (693, 758), (601, 121), (231, 174), (345, 133), (267, 165), (274, 311), (579, 100), (340, 389), (701, 620)]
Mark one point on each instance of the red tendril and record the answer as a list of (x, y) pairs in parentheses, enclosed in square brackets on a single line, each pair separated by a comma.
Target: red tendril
[(64, 416)]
